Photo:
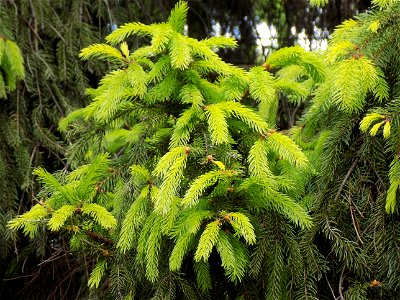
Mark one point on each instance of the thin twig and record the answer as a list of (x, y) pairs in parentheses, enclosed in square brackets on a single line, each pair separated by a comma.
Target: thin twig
[(52, 258), (35, 28), (330, 287), (356, 208), (355, 225), (346, 178), (18, 277), (341, 284), (379, 177), (305, 285)]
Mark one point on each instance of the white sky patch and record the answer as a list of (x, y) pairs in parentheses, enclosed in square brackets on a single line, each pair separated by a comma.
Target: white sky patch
[(216, 30), (268, 36), (268, 40)]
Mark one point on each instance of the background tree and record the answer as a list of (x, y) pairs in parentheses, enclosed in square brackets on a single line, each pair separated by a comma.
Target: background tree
[(351, 128)]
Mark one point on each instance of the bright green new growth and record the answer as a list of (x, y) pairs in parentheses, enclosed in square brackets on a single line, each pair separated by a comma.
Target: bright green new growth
[(12, 64), (352, 79), (30, 221), (391, 199), (381, 4), (204, 181), (284, 147), (234, 256), (67, 198), (207, 240), (100, 215), (319, 2), (134, 217), (242, 226), (59, 217), (97, 274)]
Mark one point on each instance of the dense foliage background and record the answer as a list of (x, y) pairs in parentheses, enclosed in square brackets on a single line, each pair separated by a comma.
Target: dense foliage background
[(348, 188)]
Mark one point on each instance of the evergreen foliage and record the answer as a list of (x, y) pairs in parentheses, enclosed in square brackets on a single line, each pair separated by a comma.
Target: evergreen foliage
[(179, 172)]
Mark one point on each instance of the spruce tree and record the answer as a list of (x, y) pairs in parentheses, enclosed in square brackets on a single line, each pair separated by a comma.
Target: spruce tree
[(50, 35), (351, 133), (178, 164)]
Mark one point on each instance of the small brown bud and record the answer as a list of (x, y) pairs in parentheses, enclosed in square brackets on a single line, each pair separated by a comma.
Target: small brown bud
[(72, 228), (375, 283), (266, 66), (187, 151)]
